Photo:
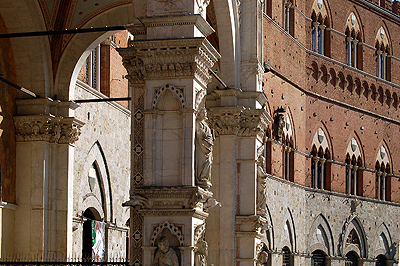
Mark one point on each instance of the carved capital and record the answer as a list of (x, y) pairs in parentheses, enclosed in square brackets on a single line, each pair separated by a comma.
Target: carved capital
[(160, 59), (53, 129), (253, 123), (225, 120)]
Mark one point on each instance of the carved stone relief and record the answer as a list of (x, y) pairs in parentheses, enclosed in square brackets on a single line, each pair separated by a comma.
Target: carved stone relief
[(53, 129)]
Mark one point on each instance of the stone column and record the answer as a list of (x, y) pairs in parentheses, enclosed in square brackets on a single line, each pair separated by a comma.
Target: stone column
[(221, 235), (168, 74), (43, 217)]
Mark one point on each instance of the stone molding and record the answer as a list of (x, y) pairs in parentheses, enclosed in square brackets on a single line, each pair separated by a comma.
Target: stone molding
[(170, 201), (194, 20), (49, 128), (172, 58)]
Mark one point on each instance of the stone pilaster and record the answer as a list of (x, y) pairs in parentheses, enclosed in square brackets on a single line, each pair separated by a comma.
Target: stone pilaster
[(45, 136)]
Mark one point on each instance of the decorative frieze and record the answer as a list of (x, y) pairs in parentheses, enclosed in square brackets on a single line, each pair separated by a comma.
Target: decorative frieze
[(53, 129), (160, 59)]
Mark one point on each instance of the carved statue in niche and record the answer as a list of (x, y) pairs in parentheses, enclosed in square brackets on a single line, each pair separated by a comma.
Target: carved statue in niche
[(262, 258), (165, 255), (200, 256), (261, 186), (279, 122), (203, 150)]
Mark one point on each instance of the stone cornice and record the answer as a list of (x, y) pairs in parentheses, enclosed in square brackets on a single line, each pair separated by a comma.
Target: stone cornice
[(173, 200), (49, 128), (171, 58), (179, 20)]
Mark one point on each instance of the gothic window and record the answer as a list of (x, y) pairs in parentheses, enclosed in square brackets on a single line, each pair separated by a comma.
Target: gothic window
[(320, 162), (354, 179), (288, 17), (383, 176), (287, 258), (382, 181), (267, 7), (382, 55), (318, 258), (352, 50), (319, 37), (288, 151), (93, 68)]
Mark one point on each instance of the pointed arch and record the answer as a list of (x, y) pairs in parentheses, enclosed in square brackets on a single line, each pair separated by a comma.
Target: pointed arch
[(383, 243), (176, 93), (96, 160), (289, 232), (353, 238), (320, 236)]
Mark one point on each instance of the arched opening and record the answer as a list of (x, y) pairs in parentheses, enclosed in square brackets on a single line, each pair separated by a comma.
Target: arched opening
[(381, 261), (90, 235), (318, 258), (351, 259), (287, 257)]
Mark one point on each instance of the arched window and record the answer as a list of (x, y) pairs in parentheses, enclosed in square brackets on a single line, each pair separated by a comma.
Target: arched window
[(288, 17), (288, 151), (352, 175), (353, 49), (319, 169), (320, 162), (267, 7), (318, 258), (383, 181), (352, 42), (93, 69), (287, 257), (382, 59), (319, 36)]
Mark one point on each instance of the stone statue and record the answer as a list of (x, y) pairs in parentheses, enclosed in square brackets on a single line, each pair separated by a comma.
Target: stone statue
[(165, 255), (262, 258), (261, 186), (203, 150), (200, 257)]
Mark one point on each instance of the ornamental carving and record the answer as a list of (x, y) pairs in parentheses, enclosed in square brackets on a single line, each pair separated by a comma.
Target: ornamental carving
[(253, 122), (53, 129), (225, 120), (159, 59)]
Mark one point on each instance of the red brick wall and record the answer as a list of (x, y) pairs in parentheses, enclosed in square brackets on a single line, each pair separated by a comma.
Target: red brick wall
[(356, 106)]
